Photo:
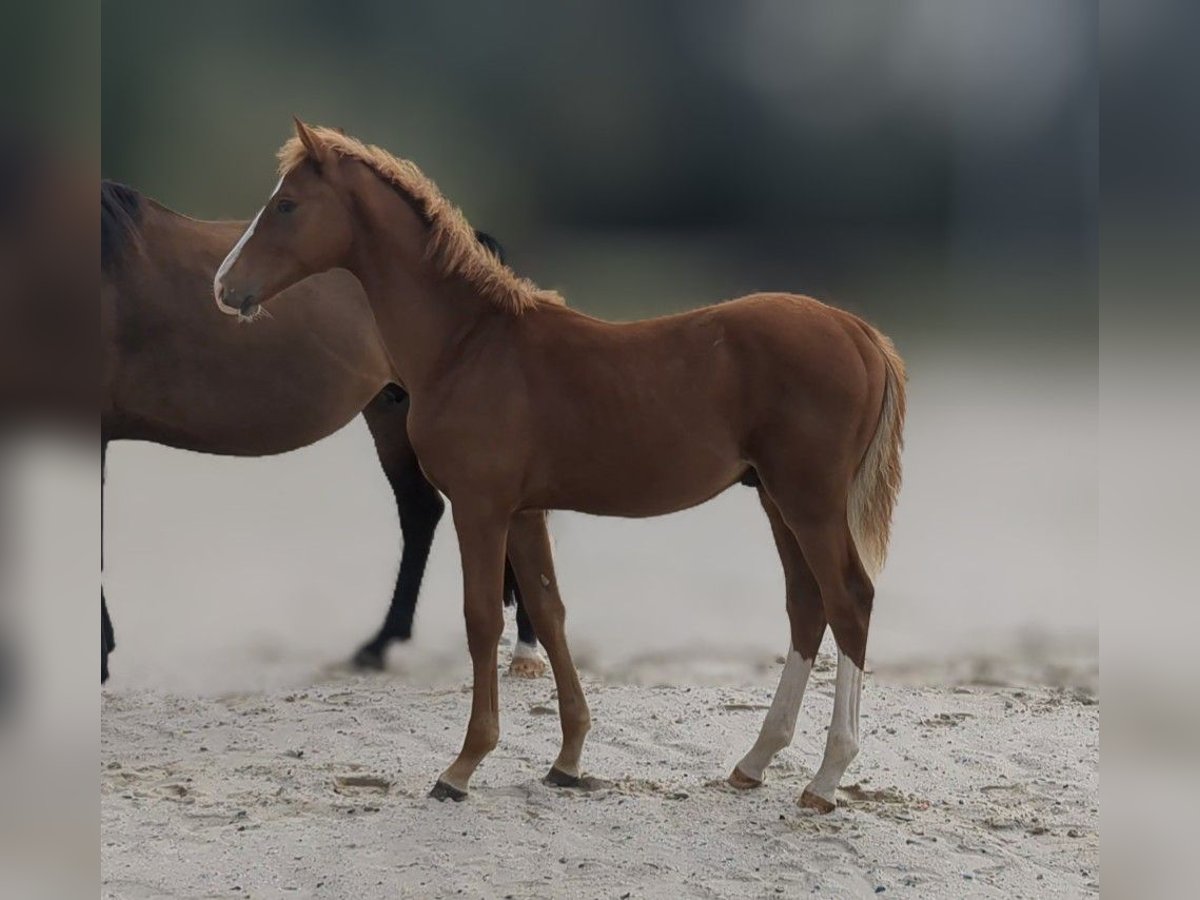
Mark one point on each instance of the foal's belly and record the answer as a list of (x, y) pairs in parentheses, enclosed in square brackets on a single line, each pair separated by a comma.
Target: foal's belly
[(617, 484)]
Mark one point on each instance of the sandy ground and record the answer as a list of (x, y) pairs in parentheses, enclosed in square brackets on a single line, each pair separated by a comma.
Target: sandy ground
[(965, 791), (236, 761)]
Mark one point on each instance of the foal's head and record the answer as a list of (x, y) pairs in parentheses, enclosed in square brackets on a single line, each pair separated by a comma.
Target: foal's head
[(305, 228), (331, 185)]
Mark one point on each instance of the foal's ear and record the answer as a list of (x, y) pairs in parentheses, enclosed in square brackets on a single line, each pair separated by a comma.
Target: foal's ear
[(312, 144)]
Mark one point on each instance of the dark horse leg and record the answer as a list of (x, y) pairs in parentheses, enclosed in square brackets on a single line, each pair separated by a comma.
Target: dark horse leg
[(526, 662), (108, 641), (420, 507)]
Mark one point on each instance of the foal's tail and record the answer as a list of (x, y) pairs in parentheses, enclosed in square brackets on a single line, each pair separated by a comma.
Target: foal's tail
[(877, 481)]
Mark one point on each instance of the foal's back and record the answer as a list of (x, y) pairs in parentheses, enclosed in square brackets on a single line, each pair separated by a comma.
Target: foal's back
[(731, 363)]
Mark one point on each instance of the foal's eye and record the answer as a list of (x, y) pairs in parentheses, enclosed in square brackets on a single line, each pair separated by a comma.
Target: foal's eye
[(285, 206)]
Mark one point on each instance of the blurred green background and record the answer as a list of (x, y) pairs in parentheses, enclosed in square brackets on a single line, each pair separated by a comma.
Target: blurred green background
[(930, 164)]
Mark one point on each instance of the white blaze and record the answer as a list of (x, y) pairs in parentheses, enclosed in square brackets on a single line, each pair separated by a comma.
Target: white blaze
[(233, 255)]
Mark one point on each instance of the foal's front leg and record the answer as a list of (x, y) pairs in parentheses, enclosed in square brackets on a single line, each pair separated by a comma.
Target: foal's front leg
[(481, 538), (533, 561)]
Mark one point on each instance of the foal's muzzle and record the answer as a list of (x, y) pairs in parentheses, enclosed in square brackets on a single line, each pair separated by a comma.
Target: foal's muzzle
[(237, 303)]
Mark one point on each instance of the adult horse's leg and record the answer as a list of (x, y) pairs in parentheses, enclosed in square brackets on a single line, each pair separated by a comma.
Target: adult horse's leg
[(108, 640), (530, 551), (420, 507), (807, 618), (526, 660), (482, 534)]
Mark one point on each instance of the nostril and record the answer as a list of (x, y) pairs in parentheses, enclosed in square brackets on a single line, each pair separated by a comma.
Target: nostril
[(247, 303), (227, 299)]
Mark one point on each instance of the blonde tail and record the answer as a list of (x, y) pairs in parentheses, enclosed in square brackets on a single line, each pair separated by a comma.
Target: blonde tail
[(877, 481)]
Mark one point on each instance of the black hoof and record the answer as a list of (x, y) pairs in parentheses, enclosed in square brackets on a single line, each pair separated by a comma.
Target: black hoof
[(443, 791), (556, 777), (368, 658)]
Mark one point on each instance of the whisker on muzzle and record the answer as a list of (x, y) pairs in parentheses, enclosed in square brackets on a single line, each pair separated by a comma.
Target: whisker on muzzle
[(259, 312)]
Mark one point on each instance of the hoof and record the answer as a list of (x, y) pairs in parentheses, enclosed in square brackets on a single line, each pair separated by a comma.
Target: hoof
[(368, 659), (556, 777), (443, 791), (809, 800), (743, 782), (527, 667)]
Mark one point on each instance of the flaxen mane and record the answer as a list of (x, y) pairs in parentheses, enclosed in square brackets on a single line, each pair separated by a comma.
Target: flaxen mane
[(453, 247)]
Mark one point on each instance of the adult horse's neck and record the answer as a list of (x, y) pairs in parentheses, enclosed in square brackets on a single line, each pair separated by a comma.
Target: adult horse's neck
[(423, 314)]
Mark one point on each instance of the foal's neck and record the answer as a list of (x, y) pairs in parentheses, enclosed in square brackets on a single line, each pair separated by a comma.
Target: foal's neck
[(424, 316)]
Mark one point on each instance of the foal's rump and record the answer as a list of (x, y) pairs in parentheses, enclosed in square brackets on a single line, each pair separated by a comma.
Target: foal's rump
[(801, 372), (835, 406)]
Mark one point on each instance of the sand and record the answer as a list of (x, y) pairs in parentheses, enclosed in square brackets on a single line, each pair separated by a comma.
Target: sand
[(959, 791)]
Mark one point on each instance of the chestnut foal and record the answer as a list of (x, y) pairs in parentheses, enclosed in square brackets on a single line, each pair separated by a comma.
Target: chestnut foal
[(638, 419)]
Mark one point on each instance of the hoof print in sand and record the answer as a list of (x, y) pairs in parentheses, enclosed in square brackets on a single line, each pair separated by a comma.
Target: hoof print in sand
[(351, 783)]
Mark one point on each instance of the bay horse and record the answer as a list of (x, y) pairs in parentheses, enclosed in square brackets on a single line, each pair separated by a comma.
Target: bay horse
[(175, 373), (632, 419)]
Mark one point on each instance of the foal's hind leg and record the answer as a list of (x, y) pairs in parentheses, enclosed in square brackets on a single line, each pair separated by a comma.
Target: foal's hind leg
[(529, 549), (847, 596), (807, 619), (841, 744)]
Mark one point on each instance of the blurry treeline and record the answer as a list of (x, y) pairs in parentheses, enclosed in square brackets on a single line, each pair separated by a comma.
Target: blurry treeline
[(931, 163)]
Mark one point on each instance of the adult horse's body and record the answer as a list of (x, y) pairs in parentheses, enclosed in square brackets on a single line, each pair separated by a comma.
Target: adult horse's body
[(175, 373), (633, 419)]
